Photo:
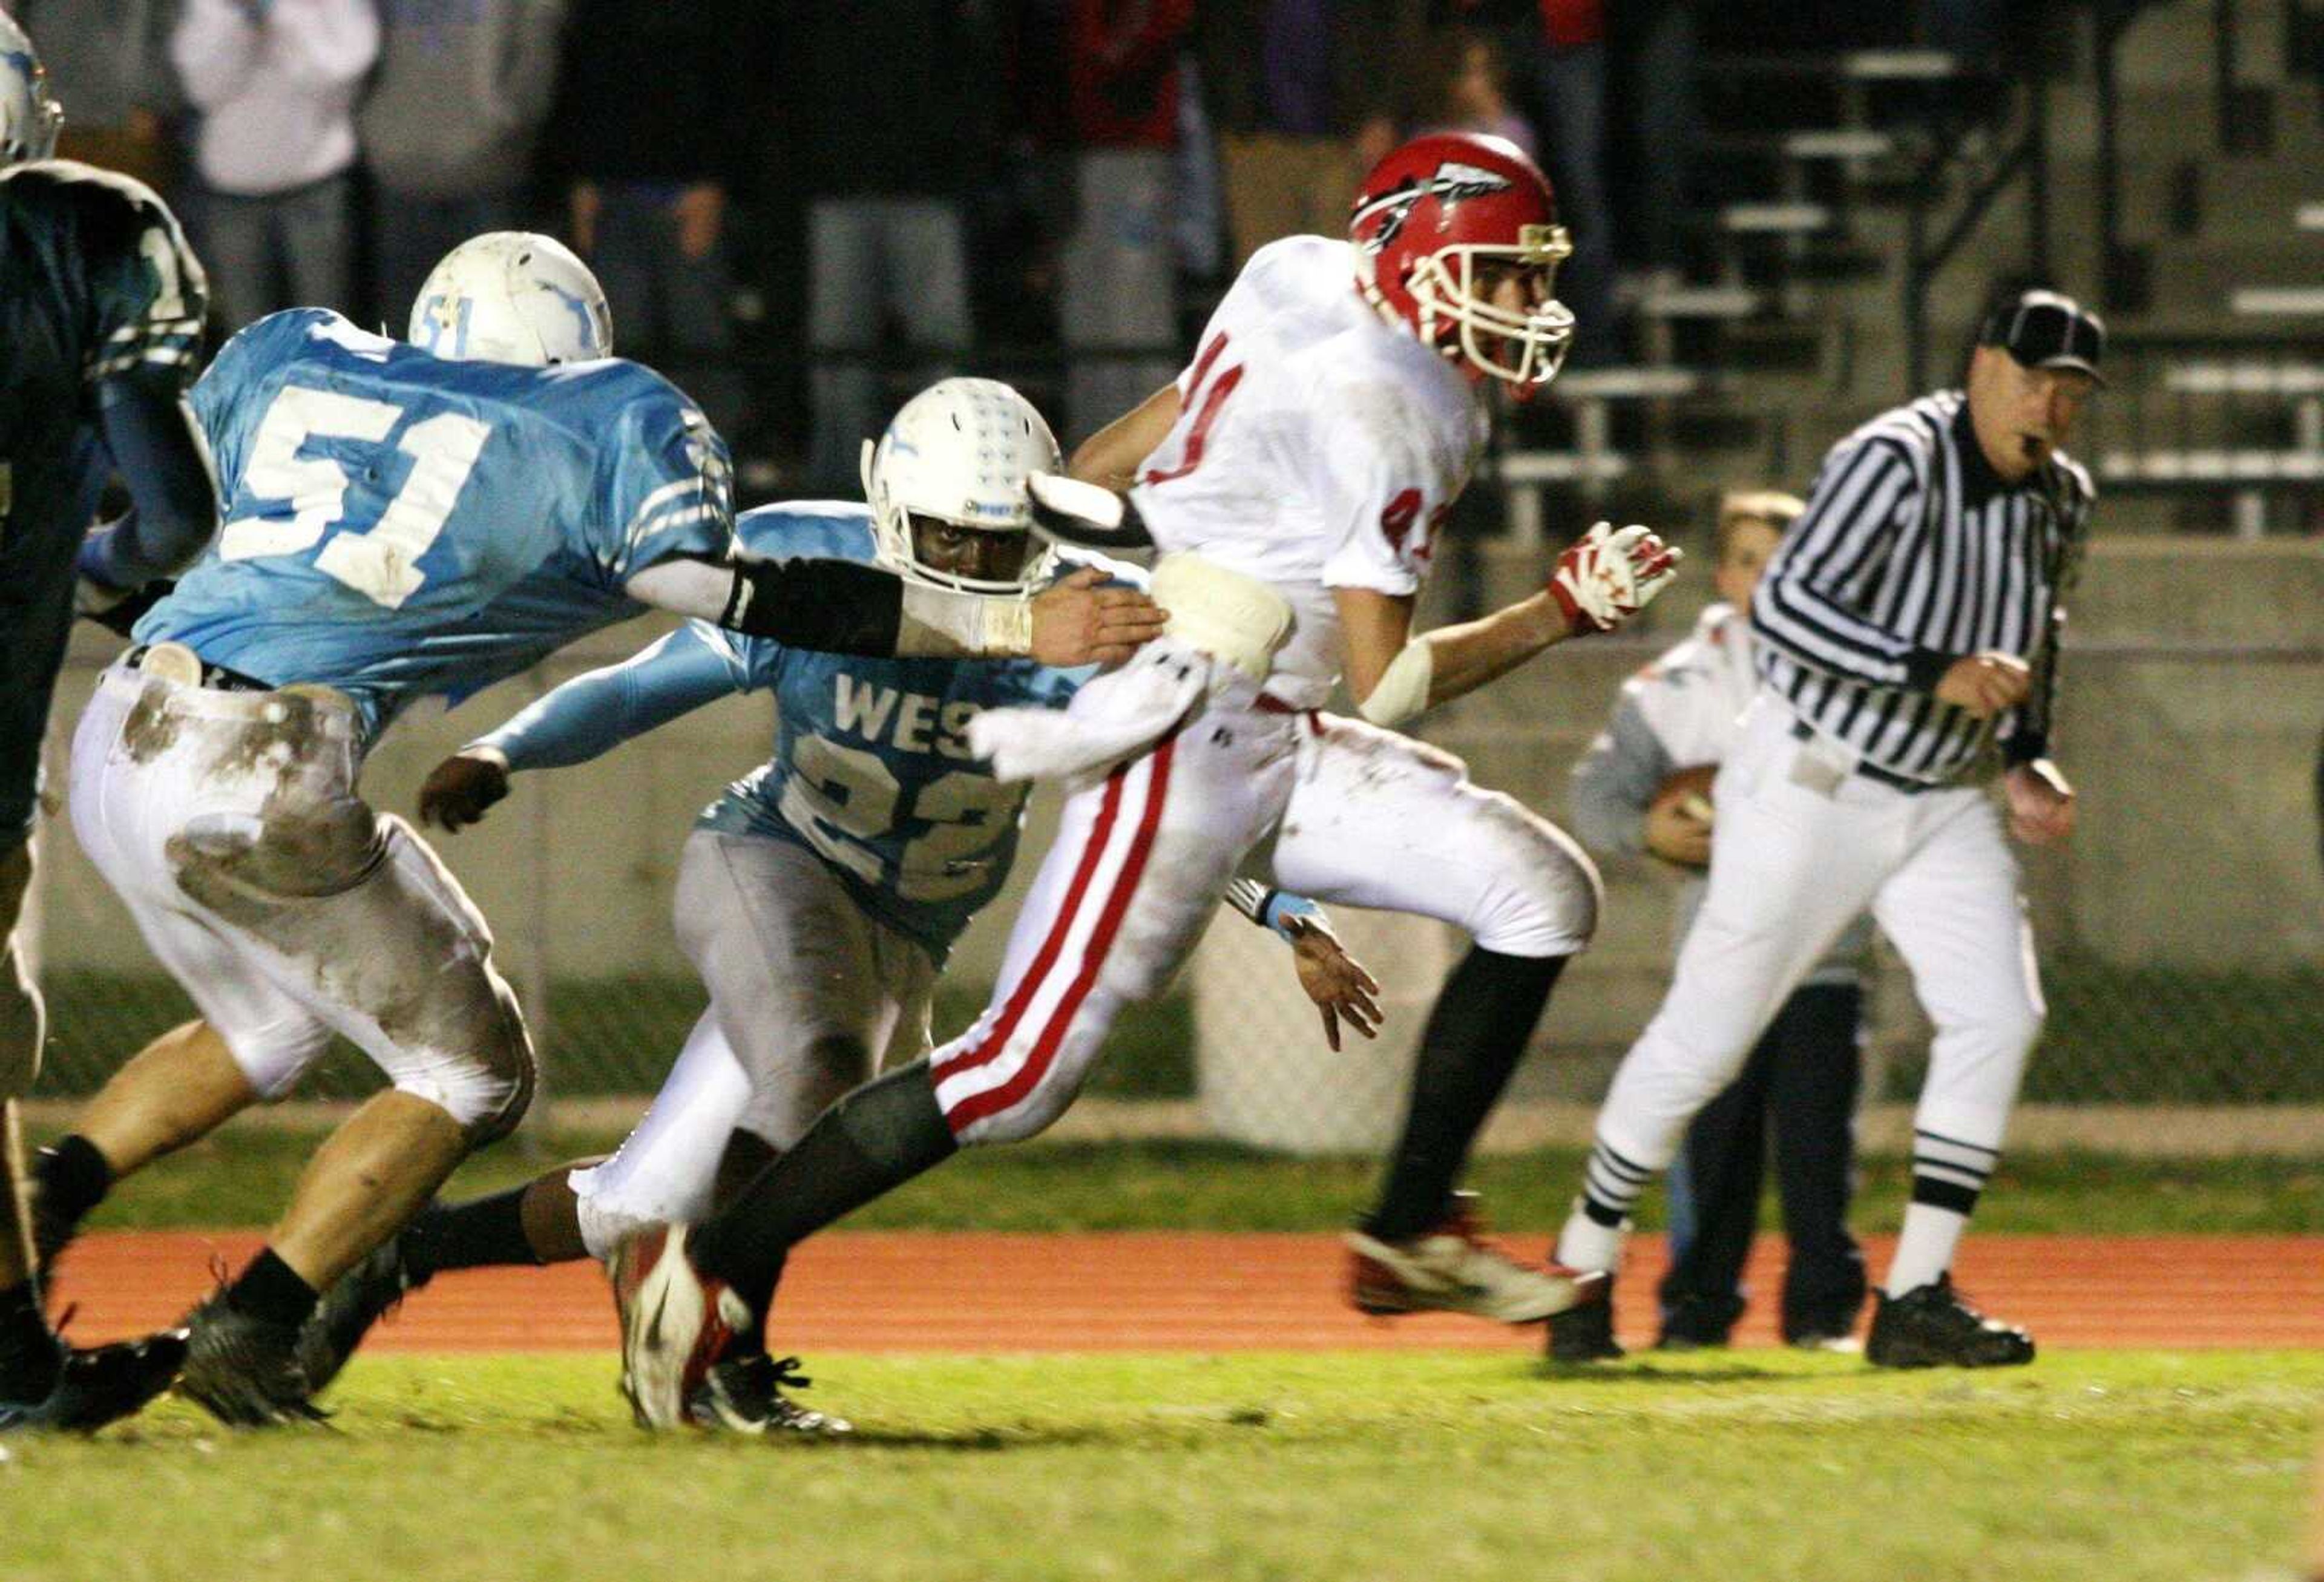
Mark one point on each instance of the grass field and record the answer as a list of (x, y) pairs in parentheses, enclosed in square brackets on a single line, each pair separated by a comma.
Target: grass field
[(2119, 1466), (1433, 1465)]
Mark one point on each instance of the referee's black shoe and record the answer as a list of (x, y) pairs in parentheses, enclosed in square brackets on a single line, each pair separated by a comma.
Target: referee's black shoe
[(1585, 1333), (1931, 1326)]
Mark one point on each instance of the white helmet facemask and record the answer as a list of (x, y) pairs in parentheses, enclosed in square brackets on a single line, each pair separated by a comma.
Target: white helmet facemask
[(513, 297), (29, 117), (1524, 346), (959, 451)]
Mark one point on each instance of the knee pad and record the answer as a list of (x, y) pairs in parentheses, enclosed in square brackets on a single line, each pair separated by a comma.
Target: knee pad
[(24, 1026)]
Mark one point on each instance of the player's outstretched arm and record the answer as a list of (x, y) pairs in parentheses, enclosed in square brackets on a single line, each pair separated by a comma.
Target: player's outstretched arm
[(173, 510), (587, 716), (840, 606), (1600, 581)]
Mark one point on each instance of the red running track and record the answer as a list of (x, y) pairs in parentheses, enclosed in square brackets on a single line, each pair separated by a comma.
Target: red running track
[(1170, 1292)]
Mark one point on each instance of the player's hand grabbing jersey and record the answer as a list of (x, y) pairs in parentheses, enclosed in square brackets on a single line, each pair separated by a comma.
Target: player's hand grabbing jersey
[(870, 769), (97, 283), (397, 525), (1314, 450)]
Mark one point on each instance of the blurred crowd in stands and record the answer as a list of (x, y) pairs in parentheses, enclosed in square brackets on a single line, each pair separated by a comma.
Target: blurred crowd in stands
[(799, 209)]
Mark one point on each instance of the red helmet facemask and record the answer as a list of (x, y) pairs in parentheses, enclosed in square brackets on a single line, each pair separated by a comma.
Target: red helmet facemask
[(1443, 228)]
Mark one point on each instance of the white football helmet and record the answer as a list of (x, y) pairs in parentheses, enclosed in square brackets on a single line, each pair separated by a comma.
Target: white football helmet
[(29, 117), (959, 451), (513, 297)]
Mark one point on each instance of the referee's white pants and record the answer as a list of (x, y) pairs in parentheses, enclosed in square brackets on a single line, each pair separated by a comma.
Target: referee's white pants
[(1790, 866)]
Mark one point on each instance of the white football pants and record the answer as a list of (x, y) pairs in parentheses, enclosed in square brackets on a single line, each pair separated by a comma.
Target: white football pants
[(1327, 807), (1790, 866), (230, 826)]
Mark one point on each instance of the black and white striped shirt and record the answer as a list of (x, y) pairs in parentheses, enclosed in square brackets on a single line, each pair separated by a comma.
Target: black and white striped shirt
[(1912, 552)]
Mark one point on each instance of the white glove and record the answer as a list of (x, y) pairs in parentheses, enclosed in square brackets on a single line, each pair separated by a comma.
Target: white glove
[(1605, 577)]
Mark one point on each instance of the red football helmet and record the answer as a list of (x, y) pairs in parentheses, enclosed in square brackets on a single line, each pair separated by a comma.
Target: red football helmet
[(1442, 227)]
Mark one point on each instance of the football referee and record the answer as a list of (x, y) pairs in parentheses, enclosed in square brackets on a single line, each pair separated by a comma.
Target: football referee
[(1906, 635)]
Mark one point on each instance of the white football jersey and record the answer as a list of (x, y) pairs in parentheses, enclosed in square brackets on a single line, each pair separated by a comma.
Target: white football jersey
[(1316, 447)]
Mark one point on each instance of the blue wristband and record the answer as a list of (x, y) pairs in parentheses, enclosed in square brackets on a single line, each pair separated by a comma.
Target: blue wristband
[(1278, 909)]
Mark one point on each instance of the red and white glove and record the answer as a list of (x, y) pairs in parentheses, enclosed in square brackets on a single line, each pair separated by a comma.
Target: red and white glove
[(1605, 577)]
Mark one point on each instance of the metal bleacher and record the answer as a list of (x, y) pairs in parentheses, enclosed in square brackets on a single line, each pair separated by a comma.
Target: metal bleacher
[(1802, 311)]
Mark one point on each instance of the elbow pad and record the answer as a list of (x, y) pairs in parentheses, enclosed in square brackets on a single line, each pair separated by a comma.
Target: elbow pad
[(1403, 689)]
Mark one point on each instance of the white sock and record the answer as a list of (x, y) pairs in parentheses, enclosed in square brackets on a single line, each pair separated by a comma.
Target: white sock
[(1925, 1250), (1584, 1244)]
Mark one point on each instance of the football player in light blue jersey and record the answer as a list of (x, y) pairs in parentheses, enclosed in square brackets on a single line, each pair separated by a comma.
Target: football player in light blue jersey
[(820, 896), (400, 522)]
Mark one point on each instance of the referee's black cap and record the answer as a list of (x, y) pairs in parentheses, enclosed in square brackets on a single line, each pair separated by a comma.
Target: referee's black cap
[(2046, 330)]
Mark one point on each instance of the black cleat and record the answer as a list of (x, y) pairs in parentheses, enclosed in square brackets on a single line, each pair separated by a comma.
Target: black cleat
[(102, 1385), (245, 1371), (359, 1299), (1586, 1333), (1931, 1326), (745, 1395)]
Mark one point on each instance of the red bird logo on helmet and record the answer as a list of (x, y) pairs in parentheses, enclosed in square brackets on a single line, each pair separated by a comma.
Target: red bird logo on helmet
[(1457, 240)]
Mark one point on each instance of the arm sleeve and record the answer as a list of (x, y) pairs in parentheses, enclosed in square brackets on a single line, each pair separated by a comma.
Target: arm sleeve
[(2030, 725), (833, 606), (2029, 730), (1866, 494), (159, 451), (595, 712), (670, 492), (147, 293), (1615, 780)]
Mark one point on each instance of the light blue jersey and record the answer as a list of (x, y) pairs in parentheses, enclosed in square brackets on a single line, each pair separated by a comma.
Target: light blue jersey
[(396, 525), (872, 768)]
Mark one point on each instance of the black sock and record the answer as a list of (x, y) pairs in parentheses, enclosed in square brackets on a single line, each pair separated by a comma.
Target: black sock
[(468, 1236), (870, 1142), (1476, 1035), (30, 1354), (73, 1177), (271, 1290)]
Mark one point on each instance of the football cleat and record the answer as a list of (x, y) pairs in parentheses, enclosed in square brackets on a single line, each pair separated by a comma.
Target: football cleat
[(1929, 1325), (745, 1395), (1451, 1268), (244, 1370), (676, 1324), (359, 1299), (101, 1385)]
